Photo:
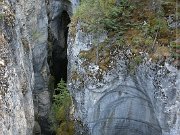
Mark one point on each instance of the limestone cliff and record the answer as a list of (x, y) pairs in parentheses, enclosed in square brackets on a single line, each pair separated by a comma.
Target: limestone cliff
[(17, 75), (116, 89), (24, 67), (115, 102), (25, 92)]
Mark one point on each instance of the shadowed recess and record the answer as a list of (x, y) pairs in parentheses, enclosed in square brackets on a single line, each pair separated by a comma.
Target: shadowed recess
[(57, 58), (59, 53)]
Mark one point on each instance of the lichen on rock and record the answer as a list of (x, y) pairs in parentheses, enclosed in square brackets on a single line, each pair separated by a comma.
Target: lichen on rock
[(121, 77)]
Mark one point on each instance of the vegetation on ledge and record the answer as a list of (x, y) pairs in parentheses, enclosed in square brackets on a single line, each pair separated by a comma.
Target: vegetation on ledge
[(139, 25)]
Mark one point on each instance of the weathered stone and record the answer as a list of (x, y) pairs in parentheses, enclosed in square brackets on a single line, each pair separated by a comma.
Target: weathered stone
[(119, 103)]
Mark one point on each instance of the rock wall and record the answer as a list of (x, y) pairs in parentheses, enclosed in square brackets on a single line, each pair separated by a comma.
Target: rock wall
[(24, 70), (17, 75), (36, 23), (114, 101), (25, 95), (105, 102)]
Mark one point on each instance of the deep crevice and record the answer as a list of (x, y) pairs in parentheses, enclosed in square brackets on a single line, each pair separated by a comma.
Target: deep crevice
[(58, 67), (57, 59)]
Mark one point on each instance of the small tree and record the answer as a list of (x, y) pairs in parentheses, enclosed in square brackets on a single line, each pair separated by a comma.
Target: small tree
[(60, 110)]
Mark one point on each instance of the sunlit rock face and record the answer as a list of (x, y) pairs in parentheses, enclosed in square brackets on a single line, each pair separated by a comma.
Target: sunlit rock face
[(124, 110), (116, 102), (33, 38), (16, 70), (24, 68)]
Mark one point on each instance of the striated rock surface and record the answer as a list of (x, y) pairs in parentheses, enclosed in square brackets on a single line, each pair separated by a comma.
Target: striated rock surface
[(23, 65), (25, 95), (108, 100), (117, 88), (16, 71), (116, 102)]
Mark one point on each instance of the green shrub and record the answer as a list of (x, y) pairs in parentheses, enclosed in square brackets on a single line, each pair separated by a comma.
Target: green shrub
[(60, 116), (98, 15)]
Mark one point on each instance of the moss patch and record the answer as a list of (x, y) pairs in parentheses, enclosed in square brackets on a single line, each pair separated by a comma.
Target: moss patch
[(138, 25)]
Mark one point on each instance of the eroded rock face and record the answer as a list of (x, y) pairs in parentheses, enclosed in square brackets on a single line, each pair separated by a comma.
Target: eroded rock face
[(112, 102), (17, 80), (23, 64), (24, 70), (59, 18), (116, 102)]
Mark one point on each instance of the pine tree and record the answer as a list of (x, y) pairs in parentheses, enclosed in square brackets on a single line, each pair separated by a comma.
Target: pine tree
[(60, 110), (61, 95)]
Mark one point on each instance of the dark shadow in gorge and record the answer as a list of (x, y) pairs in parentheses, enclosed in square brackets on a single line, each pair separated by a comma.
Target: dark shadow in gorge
[(59, 52), (57, 58)]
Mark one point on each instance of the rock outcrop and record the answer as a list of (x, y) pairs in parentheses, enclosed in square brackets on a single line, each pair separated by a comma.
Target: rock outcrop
[(17, 75), (25, 92), (24, 68), (109, 99)]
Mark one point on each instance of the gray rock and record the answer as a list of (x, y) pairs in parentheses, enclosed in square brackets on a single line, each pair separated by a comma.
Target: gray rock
[(121, 104)]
